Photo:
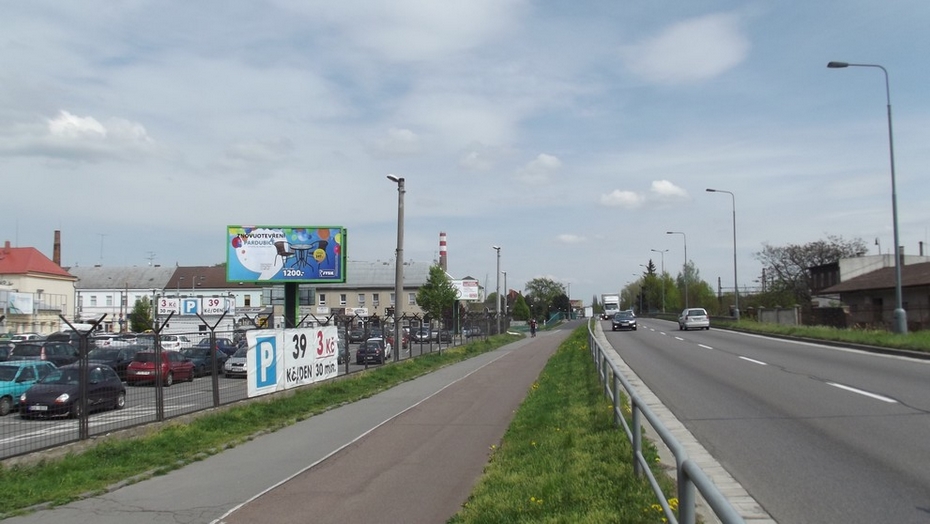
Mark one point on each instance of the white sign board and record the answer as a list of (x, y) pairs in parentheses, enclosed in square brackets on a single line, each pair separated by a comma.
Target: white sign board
[(466, 289), (286, 358)]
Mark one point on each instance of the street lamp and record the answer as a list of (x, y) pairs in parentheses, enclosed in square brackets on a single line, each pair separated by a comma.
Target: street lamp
[(506, 293), (662, 252), (685, 273), (398, 266), (900, 316), (498, 299), (735, 284)]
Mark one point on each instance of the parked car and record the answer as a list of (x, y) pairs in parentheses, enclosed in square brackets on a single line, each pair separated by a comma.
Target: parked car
[(236, 365), (356, 335), (623, 320), (404, 339), (444, 335), (693, 318), (5, 347), (23, 337), (422, 335), (343, 354), (16, 378), (117, 358), (473, 331), (59, 392), (170, 342), (373, 350), (226, 345), (201, 357), (71, 337), (175, 367), (58, 353)]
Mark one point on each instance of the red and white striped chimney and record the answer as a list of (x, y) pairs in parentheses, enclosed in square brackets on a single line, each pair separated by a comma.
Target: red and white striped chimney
[(443, 260)]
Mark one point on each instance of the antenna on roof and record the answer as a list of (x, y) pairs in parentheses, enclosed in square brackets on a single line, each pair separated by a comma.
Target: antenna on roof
[(151, 256)]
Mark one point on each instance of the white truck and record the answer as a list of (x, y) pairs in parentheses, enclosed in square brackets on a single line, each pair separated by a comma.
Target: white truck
[(611, 305)]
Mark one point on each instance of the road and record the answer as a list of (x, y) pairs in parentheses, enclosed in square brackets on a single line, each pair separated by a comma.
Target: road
[(814, 433), (410, 454)]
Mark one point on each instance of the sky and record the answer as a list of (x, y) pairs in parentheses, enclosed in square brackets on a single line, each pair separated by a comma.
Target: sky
[(573, 135)]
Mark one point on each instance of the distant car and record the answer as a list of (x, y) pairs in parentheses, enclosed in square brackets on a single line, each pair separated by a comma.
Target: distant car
[(623, 320), (473, 331), (5, 347), (58, 353), (59, 392), (343, 354), (356, 335), (226, 345), (422, 335), (373, 350), (444, 335), (693, 318), (23, 337), (71, 337), (236, 365), (16, 378), (117, 358), (201, 357), (175, 367), (170, 342)]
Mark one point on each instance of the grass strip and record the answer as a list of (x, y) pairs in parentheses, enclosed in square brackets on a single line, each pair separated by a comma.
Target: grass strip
[(119, 461), (913, 340), (562, 459)]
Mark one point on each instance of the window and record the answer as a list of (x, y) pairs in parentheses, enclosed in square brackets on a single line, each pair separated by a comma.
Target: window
[(321, 299), (375, 299), (411, 299), (342, 299), (109, 300), (93, 300), (361, 299), (248, 301), (392, 299)]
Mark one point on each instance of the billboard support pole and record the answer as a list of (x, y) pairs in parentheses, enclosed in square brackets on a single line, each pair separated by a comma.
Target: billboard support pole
[(290, 304)]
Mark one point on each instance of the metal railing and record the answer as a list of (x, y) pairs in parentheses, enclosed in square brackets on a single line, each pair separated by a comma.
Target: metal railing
[(690, 479)]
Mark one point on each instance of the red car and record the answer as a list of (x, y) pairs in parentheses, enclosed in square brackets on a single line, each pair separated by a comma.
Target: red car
[(175, 367)]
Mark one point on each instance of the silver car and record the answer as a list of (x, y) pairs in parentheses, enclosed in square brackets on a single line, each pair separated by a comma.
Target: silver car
[(693, 318), (235, 366)]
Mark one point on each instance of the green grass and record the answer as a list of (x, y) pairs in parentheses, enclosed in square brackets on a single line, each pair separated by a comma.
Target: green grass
[(562, 459), (126, 460), (915, 340)]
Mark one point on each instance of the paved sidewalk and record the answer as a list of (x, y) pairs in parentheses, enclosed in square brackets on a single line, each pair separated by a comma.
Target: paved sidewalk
[(410, 454)]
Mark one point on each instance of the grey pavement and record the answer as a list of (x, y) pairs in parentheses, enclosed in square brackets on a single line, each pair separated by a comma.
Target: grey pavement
[(409, 454)]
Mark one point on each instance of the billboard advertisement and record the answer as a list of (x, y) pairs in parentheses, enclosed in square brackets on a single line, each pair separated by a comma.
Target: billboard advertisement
[(278, 254), (466, 289), (287, 358)]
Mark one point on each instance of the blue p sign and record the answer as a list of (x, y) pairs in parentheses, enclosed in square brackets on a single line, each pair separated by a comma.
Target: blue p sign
[(266, 362)]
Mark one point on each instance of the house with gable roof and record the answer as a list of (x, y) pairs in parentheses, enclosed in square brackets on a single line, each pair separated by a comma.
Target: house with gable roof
[(34, 291)]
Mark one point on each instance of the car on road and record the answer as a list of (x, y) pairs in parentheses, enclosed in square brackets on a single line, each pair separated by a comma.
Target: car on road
[(444, 335), (623, 320), (175, 367), (422, 335), (356, 335), (16, 377), (693, 318), (236, 365), (473, 331), (201, 357), (59, 392), (117, 358), (226, 345), (58, 353), (373, 350)]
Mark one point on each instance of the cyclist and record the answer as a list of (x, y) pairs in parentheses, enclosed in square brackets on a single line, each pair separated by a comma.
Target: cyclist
[(533, 327)]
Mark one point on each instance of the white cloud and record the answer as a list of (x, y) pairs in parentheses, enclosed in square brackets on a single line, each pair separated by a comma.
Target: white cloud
[(67, 125), (689, 51), (665, 191), (397, 142), (540, 169), (624, 199), (568, 238)]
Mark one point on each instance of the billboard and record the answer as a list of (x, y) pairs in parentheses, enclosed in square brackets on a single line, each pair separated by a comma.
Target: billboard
[(466, 289), (278, 254), (287, 358)]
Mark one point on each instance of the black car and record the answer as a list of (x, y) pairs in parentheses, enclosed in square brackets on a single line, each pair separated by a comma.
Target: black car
[(356, 335), (117, 358), (59, 392), (372, 350), (623, 320), (200, 356), (225, 345), (58, 353)]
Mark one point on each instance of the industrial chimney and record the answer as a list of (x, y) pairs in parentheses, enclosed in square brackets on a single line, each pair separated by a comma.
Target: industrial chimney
[(443, 260), (56, 248)]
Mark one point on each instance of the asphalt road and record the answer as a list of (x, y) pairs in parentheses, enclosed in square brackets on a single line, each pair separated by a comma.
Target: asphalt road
[(410, 454), (814, 433)]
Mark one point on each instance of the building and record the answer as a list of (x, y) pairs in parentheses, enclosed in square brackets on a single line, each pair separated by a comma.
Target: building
[(35, 292), (870, 297)]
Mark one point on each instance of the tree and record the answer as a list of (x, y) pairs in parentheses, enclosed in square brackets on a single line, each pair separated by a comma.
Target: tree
[(521, 311), (140, 319), (437, 296), (788, 265), (541, 293)]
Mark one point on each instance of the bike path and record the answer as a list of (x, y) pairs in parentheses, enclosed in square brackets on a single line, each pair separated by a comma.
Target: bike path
[(409, 454)]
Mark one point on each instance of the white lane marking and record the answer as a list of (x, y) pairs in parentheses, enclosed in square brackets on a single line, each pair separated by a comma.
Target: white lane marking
[(754, 361), (678, 338), (865, 393), (705, 346)]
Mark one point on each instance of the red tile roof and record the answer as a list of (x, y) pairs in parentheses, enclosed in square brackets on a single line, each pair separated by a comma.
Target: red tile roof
[(28, 260)]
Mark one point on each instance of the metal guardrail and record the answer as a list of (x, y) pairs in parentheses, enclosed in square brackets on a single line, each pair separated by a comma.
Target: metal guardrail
[(690, 478)]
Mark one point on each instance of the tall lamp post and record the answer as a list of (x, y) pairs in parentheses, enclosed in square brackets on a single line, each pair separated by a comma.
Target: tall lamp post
[(398, 266), (506, 293), (662, 252), (900, 316), (735, 283), (685, 273), (498, 299)]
